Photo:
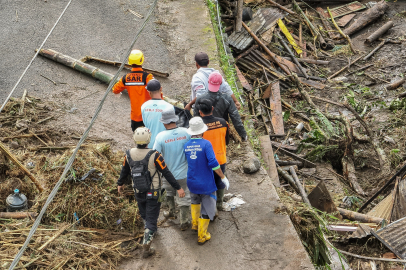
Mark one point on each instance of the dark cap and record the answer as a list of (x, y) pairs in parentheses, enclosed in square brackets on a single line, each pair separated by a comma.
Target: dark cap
[(202, 58), (153, 85)]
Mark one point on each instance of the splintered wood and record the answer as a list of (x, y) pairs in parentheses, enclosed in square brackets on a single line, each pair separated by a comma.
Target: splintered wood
[(276, 110)]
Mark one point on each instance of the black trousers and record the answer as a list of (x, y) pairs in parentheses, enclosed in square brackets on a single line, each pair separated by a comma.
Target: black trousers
[(217, 179), (135, 125), (149, 210)]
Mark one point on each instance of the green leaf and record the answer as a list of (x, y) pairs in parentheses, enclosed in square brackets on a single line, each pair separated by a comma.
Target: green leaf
[(286, 116)]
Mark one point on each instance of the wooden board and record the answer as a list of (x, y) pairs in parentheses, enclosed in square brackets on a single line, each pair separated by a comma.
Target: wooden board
[(276, 110), (267, 155), (245, 84)]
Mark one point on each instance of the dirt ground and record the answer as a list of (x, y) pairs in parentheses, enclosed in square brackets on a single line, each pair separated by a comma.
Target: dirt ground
[(253, 236)]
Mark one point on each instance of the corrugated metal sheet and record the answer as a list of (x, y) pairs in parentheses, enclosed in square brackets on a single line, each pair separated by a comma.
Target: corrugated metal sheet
[(399, 207), (394, 237), (263, 20)]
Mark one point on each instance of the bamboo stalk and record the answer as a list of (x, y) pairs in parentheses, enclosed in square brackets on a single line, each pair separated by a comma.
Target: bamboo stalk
[(10, 156), (358, 216), (301, 189), (341, 32), (18, 215)]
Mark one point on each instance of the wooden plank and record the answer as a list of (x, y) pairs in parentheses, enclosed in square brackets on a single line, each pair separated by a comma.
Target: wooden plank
[(306, 163), (245, 84), (276, 110), (285, 146), (267, 155)]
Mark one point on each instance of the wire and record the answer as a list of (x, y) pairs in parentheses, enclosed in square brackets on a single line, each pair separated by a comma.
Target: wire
[(32, 60), (82, 139)]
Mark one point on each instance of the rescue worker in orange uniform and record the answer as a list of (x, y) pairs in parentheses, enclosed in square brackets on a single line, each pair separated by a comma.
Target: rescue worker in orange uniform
[(135, 82)]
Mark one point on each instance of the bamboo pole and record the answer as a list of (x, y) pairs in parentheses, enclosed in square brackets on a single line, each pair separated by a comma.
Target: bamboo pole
[(341, 32), (300, 187), (18, 215), (288, 178), (10, 156)]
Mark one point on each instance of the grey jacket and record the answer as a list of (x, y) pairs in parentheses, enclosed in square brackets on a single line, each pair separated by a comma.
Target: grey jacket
[(224, 107), (200, 83)]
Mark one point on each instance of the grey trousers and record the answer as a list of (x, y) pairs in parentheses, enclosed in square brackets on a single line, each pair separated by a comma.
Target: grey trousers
[(207, 203), (170, 191)]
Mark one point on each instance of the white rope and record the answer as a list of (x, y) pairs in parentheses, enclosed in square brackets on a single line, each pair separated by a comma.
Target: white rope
[(32, 60), (82, 139)]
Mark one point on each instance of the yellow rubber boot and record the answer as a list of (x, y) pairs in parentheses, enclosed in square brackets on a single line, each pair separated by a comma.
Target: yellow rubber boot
[(203, 234), (195, 210)]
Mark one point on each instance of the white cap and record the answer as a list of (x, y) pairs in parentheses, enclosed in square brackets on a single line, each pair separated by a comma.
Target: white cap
[(196, 126)]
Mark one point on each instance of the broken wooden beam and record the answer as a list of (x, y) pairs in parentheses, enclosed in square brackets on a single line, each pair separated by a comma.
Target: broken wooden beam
[(300, 187), (351, 215), (382, 30), (276, 110), (292, 55), (268, 157), (285, 146), (245, 84), (11, 157), (396, 84), (18, 215), (305, 162), (281, 7), (367, 17), (271, 54), (289, 163)]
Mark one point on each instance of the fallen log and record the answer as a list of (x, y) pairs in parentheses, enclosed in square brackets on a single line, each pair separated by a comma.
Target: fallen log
[(267, 155), (289, 163), (367, 17), (351, 215), (396, 84), (18, 215), (11, 157), (402, 95), (300, 187), (382, 30)]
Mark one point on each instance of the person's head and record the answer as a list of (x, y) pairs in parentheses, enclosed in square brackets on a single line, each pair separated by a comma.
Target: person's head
[(142, 137), (202, 60), (196, 127), (215, 81), (154, 88), (136, 58), (205, 107), (169, 118)]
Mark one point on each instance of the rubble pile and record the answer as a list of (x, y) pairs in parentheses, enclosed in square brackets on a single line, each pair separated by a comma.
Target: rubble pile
[(323, 83), (87, 225)]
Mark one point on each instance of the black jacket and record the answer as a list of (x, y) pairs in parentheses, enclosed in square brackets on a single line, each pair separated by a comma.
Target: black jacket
[(224, 107)]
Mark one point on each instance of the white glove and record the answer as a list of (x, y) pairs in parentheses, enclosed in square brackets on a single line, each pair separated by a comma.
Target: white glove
[(226, 182), (117, 95)]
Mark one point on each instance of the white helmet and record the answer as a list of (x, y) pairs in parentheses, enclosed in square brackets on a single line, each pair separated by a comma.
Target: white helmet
[(142, 135)]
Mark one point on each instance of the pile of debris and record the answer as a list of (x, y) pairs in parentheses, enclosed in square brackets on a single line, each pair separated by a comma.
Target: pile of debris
[(87, 225), (291, 60)]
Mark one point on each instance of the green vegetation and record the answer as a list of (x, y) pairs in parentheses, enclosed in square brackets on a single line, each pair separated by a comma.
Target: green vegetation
[(229, 70)]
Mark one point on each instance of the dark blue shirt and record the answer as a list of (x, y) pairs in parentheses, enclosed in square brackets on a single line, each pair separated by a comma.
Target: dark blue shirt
[(201, 162)]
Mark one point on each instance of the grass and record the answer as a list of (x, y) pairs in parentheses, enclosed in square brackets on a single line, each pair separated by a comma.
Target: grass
[(228, 69)]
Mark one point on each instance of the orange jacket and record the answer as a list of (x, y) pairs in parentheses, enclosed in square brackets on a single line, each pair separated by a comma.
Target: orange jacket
[(135, 83), (218, 134)]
